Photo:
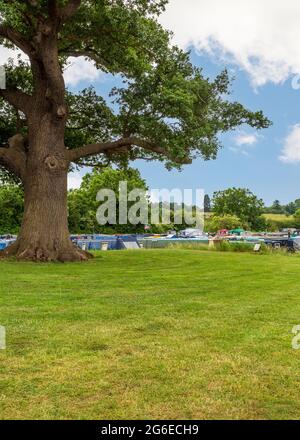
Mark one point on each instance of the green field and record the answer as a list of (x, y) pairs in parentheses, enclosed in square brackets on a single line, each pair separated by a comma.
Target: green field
[(278, 217), (151, 334)]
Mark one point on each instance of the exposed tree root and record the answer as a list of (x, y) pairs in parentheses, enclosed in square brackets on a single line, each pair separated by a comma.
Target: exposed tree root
[(67, 253)]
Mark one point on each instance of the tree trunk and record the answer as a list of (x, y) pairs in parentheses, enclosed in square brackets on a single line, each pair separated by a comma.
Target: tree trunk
[(44, 234)]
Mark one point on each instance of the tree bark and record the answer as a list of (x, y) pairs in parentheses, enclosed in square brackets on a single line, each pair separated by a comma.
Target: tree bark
[(44, 234)]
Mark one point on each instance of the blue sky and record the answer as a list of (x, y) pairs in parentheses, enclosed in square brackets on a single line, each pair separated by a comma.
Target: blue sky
[(258, 41)]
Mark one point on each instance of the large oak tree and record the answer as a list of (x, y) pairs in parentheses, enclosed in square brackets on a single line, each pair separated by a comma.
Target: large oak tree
[(166, 109)]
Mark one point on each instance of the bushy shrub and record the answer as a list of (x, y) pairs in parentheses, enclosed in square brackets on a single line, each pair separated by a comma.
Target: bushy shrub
[(259, 224), (11, 208), (218, 222)]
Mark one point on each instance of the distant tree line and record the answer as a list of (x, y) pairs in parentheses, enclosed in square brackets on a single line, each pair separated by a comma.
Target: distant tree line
[(239, 207), (289, 209), (228, 209), (83, 205)]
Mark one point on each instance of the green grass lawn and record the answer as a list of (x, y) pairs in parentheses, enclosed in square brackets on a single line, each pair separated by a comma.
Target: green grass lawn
[(151, 334)]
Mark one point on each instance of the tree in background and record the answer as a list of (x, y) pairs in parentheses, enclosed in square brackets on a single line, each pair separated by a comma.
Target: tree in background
[(276, 208), (166, 109), (240, 202), (296, 219), (297, 204), (11, 208), (290, 208), (83, 205), (207, 203)]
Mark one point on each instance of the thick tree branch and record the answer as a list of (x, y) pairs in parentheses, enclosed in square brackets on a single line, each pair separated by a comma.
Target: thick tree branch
[(52, 8), (47, 73), (17, 99), (70, 9), (14, 157), (87, 52), (16, 38), (93, 149)]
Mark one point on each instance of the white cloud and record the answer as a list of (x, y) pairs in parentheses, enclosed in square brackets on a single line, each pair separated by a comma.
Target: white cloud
[(80, 69), (245, 139), (74, 180), (239, 151), (260, 36), (291, 147), (5, 54)]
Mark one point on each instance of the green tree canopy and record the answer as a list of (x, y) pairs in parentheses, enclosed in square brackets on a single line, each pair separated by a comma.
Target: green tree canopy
[(240, 202), (83, 204), (290, 208), (167, 109), (276, 208)]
